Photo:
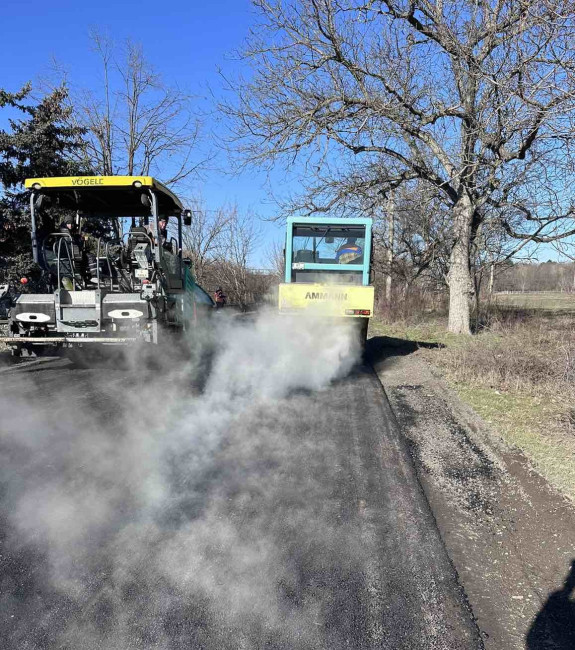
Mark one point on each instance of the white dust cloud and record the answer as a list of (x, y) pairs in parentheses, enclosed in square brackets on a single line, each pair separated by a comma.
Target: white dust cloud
[(142, 514)]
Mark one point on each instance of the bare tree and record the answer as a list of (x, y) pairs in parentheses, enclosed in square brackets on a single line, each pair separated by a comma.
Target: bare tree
[(242, 238), (531, 276), (220, 244), (410, 239), (474, 99), (136, 123), (205, 240), (275, 256)]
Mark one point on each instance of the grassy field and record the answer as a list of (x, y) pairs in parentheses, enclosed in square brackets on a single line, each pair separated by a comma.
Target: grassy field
[(553, 301), (517, 372)]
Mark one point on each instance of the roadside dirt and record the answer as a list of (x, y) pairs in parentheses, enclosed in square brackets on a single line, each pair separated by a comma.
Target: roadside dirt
[(510, 536)]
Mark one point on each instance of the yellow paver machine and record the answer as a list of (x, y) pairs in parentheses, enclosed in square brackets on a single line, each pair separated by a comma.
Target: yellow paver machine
[(110, 250)]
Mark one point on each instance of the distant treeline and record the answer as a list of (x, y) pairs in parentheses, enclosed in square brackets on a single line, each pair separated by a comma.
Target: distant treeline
[(546, 276)]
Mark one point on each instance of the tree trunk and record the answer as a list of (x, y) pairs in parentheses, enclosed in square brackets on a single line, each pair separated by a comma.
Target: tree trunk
[(459, 276), (477, 282)]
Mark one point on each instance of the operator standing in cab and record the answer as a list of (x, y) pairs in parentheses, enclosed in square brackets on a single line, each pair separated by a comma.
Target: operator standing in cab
[(162, 239), (162, 230), (69, 226)]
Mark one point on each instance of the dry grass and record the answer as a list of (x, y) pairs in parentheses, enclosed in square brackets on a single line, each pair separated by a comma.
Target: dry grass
[(518, 373), (520, 351), (552, 300)]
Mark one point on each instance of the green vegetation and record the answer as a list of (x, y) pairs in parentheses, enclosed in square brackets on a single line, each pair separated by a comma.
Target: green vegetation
[(538, 425), (40, 143), (518, 373)]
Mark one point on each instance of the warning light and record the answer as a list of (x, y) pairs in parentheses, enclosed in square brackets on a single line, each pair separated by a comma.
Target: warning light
[(23, 280)]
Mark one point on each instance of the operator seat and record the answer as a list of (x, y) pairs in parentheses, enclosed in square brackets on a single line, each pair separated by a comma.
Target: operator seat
[(304, 256)]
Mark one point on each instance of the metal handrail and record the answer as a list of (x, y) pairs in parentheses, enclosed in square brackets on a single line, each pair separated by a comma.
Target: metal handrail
[(63, 238), (107, 251), (106, 257), (98, 263)]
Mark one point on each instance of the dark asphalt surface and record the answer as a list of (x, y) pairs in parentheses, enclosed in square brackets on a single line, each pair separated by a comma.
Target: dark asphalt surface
[(303, 526)]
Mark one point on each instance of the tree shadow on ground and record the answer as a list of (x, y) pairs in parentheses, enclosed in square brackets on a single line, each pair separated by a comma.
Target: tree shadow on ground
[(380, 348), (554, 625)]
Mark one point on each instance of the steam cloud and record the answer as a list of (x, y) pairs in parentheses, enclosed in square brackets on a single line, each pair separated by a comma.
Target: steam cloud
[(139, 514)]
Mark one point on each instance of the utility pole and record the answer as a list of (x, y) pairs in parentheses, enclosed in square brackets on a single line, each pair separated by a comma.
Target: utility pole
[(491, 278), (390, 214)]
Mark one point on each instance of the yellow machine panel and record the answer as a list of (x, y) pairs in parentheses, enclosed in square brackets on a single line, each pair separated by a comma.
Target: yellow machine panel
[(103, 182), (90, 181), (331, 300)]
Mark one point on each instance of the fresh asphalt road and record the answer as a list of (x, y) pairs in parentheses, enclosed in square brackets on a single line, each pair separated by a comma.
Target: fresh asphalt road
[(308, 530)]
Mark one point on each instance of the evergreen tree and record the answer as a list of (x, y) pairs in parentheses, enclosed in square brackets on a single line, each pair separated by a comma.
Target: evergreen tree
[(40, 143)]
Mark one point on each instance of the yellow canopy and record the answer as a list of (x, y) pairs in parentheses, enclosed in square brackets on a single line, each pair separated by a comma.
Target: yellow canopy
[(106, 195)]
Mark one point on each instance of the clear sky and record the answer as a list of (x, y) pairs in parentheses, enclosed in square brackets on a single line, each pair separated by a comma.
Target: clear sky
[(186, 41)]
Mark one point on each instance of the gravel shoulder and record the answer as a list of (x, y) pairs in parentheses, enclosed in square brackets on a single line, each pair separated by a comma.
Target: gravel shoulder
[(509, 534)]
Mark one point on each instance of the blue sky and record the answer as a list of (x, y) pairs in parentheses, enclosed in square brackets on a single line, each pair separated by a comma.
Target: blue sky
[(186, 41)]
